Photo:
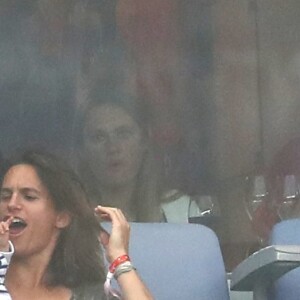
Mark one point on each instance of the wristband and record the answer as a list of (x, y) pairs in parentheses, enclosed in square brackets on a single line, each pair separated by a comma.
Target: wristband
[(123, 268), (121, 259), (108, 289)]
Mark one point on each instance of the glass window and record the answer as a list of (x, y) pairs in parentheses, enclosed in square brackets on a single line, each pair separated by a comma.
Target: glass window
[(177, 111)]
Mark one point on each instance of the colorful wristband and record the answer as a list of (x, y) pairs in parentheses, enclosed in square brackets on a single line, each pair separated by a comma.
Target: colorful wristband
[(121, 259), (108, 289)]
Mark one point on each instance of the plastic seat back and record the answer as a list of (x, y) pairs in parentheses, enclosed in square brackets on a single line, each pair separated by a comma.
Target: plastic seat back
[(288, 286), (179, 261)]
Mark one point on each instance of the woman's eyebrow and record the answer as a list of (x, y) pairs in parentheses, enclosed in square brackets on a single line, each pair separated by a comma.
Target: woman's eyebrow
[(5, 190), (29, 190)]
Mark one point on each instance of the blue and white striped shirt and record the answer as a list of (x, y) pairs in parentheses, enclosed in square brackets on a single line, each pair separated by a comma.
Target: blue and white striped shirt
[(5, 258)]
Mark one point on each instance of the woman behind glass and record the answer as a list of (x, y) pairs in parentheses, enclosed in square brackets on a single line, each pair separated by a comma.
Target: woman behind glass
[(115, 158)]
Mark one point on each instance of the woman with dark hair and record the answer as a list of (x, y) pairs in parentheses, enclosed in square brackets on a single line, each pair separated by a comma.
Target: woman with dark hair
[(55, 235)]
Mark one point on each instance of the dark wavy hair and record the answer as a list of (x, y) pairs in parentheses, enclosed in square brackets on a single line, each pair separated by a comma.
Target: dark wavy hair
[(77, 258)]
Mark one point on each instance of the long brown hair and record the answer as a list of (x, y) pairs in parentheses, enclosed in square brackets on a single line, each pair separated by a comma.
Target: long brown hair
[(147, 195), (77, 258)]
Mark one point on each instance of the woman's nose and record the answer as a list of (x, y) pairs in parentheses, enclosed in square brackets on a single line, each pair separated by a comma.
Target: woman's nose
[(113, 143), (14, 203)]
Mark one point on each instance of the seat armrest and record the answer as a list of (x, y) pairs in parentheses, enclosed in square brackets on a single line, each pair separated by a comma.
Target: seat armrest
[(263, 267)]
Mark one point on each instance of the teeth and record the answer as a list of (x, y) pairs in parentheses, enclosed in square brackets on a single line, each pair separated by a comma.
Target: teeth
[(17, 220)]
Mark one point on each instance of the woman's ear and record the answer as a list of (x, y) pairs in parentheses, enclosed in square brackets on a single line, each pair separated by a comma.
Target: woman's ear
[(63, 219)]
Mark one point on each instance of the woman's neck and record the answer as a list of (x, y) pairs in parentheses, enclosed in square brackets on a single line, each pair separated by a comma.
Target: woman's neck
[(25, 279), (121, 197), (29, 272), (29, 269)]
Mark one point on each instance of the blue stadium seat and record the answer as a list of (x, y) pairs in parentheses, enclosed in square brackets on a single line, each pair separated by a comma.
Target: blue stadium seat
[(288, 286), (179, 261)]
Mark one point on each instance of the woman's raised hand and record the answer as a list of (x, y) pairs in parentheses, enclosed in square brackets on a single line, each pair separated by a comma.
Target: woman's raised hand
[(4, 234), (116, 245), (117, 242)]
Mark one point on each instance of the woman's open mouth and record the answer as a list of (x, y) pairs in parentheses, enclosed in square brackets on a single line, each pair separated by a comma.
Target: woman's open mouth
[(16, 226)]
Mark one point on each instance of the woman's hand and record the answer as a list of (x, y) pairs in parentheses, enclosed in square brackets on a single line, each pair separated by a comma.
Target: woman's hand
[(116, 243), (4, 234)]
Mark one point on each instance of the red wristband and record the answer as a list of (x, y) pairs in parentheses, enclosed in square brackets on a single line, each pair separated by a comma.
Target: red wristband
[(121, 259), (111, 270)]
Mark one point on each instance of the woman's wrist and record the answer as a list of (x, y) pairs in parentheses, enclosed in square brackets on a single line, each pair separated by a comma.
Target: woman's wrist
[(117, 262), (119, 266), (114, 255)]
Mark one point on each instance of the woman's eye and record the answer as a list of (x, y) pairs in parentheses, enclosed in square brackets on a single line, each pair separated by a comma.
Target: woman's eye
[(98, 138), (30, 197), (4, 197)]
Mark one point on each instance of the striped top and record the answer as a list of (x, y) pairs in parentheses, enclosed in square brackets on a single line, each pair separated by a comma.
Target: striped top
[(4, 263)]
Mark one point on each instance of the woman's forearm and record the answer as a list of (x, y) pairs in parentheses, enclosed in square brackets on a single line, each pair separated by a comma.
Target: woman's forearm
[(132, 287)]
